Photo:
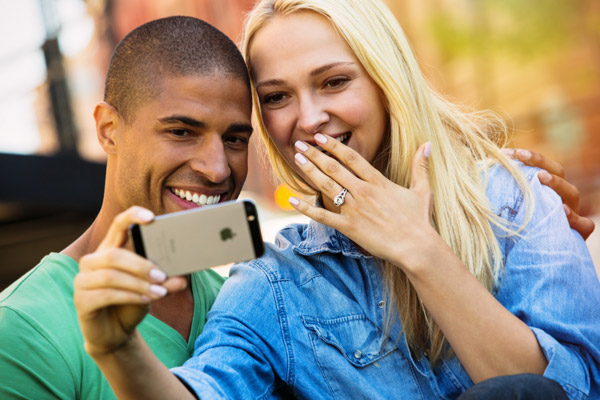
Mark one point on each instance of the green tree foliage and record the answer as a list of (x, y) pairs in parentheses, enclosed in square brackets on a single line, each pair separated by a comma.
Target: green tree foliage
[(515, 28)]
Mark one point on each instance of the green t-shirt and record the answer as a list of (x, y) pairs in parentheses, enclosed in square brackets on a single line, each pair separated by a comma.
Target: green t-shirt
[(41, 346)]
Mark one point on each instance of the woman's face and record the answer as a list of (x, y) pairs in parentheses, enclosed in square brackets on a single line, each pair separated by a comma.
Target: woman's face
[(309, 81)]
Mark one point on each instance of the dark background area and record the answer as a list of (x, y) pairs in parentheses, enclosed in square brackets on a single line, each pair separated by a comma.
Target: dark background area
[(45, 203)]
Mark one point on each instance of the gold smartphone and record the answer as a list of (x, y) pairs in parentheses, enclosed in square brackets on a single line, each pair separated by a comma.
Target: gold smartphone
[(186, 241)]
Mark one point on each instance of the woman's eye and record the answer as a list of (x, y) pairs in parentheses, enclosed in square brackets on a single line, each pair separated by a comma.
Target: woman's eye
[(336, 83), (275, 98)]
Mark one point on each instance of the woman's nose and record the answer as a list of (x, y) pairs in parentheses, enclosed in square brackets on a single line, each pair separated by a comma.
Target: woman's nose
[(312, 114)]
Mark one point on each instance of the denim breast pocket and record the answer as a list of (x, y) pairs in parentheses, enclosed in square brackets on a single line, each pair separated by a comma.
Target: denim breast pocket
[(355, 361)]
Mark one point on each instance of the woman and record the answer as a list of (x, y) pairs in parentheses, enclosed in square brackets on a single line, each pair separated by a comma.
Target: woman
[(330, 76), (420, 278)]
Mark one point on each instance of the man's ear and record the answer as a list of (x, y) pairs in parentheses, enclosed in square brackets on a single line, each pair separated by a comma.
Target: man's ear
[(108, 124)]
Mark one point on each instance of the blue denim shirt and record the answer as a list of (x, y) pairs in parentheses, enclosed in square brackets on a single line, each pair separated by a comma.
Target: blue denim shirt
[(306, 319)]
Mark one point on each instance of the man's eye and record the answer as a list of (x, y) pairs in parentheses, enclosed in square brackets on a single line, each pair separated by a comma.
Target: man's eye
[(236, 140), (180, 132)]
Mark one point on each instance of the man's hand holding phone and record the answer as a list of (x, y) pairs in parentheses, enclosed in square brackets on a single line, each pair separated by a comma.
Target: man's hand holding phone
[(115, 286)]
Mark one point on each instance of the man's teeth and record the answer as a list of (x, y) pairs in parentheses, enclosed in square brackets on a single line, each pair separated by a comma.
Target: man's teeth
[(200, 200)]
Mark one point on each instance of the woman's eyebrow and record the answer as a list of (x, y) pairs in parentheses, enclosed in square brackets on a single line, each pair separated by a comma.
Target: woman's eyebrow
[(315, 72), (329, 66), (270, 82)]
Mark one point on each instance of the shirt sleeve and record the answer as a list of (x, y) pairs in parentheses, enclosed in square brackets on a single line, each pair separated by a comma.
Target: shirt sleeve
[(241, 352), (29, 362), (550, 283)]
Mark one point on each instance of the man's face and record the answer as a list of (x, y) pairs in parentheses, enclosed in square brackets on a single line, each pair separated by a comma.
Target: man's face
[(187, 147)]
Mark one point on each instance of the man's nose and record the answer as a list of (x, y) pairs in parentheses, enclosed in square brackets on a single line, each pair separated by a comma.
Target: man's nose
[(312, 114), (210, 159)]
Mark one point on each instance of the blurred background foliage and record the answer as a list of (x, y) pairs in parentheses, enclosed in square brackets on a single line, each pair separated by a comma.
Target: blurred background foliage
[(509, 28), (537, 63)]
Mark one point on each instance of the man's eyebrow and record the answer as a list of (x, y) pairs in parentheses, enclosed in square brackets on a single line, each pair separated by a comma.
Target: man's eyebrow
[(173, 119), (313, 73), (235, 128)]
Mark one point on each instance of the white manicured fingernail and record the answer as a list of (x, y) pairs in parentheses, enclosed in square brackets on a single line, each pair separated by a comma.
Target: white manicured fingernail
[(301, 146), (544, 176), (158, 290), (294, 201), (567, 210), (146, 215), (321, 138), (509, 152), (157, 275), (524, 154), (300, 158), (427, 149)]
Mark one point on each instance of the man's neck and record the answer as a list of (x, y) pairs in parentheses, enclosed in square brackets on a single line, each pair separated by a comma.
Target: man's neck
[(83, 245), (89, 241), (176, 310)]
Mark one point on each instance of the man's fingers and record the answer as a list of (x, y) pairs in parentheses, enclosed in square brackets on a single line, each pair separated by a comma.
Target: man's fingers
[(114, 279), (90, 302), (124, 260), (98, 289), (122, 269), (117, 232), (553, 176), (536, 159), (568, 193), (584, 226), (175, 284)]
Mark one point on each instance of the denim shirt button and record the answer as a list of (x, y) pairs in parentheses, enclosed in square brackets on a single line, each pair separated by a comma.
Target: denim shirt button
[(381, 304), (357, 354)]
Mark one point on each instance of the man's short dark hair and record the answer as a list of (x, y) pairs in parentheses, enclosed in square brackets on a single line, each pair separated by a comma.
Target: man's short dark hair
[(172, 46)]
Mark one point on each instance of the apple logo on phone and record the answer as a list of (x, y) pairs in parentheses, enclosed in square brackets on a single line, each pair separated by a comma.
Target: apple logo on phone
[(227, 234)]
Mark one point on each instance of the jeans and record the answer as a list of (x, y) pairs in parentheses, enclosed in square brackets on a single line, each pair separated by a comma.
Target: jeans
[(515, 387)]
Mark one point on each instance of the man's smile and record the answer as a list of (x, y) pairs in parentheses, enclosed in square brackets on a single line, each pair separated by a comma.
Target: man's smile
[(200, 199)]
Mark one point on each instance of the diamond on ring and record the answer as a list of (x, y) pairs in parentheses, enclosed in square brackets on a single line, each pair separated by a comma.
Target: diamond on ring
[(339, 199)]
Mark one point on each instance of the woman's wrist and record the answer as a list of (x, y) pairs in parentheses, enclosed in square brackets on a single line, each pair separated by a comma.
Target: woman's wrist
[(422, 253)]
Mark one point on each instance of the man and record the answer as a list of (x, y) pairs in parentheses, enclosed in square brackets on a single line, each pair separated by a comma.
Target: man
[(175, 116)]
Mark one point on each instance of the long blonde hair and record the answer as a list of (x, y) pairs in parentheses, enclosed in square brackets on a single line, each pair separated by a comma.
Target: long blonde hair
[(464, 144)]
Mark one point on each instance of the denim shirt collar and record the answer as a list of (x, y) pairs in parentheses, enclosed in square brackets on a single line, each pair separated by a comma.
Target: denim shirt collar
[(320, 238)]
